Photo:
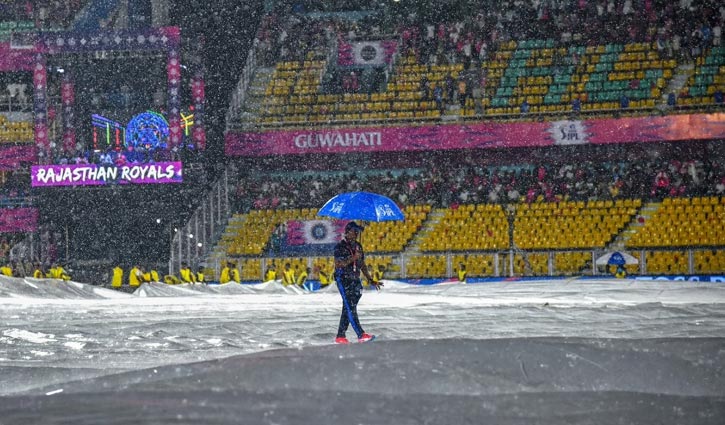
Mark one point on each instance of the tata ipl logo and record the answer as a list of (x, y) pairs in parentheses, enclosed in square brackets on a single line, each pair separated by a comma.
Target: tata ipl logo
[(568, 133)]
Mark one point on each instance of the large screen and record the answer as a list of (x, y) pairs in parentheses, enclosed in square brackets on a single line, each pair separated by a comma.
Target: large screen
[(96, 175)]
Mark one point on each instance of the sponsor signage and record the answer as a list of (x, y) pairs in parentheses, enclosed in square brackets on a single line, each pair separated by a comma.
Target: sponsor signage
[(477, 135), (95, 175), (686, 278)]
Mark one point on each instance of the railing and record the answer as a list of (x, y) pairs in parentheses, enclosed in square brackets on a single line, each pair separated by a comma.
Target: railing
[(239, 94), (478, 117), (12, 104), (193, 241), (504, 264)]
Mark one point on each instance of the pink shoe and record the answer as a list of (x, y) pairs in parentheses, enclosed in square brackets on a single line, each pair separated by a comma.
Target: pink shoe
[(366, 337), (341, 340)]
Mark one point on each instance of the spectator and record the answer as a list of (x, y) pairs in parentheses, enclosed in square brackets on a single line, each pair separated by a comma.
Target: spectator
[(624, 101), (576, 105), (425, 88), (438, 97), (672, 99), (525, 107), (450, 88), (462, 92)]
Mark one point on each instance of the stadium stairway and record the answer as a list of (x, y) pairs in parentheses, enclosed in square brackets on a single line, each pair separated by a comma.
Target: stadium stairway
[(251, 110), (635, 225), (94, 11), (682, 73), (453, 110), (429, 224), (452, 113), (230, 234), (413, 248)]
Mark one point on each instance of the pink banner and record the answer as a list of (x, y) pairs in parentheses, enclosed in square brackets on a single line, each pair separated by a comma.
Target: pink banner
[(95, 175), (355, 53), (14, 157), (476, 135), (16, 220), (15, 59)]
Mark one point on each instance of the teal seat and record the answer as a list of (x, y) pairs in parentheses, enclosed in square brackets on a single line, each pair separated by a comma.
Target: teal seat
[(562, 79), (552, 99)]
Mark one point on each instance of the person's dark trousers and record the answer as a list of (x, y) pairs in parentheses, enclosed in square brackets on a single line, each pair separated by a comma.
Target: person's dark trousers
[(351, 291)]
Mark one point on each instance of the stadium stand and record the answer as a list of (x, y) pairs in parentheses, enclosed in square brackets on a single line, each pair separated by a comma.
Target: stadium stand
[(572, 225), (502, 73), (547, 212), (499, 211), (561, 212), (707, 80), (14, 131), (683, 222)]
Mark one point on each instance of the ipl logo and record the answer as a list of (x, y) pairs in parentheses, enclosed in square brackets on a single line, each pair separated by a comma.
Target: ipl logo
[(568, 133)]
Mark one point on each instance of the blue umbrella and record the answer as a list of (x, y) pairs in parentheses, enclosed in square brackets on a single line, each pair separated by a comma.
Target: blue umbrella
[(616, 258), (362, 206)]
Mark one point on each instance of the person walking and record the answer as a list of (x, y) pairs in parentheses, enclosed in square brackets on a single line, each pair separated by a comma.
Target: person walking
[(349, 262)]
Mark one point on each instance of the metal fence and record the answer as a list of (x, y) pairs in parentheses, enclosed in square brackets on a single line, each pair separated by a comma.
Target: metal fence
[(193, 241), (515, 263)]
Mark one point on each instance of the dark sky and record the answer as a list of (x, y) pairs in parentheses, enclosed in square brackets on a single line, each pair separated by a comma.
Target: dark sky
[(228, 28)]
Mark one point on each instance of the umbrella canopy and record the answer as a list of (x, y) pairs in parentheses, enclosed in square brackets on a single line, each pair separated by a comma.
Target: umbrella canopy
[(362, 206), (616, 258)]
